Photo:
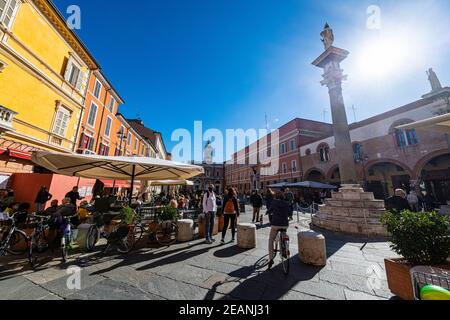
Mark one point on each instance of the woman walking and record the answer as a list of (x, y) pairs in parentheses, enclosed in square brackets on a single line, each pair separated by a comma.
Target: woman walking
[(230, 213)]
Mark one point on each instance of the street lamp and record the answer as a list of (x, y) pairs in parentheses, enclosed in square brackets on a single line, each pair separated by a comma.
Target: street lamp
[(121, 137)]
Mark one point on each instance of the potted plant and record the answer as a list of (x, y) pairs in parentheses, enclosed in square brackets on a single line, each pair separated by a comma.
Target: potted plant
[(421, 239)]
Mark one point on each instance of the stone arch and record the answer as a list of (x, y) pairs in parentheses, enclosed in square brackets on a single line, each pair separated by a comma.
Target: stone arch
[(309, 173), (372, 163), (426, 159), (331, 172), (383, 177)]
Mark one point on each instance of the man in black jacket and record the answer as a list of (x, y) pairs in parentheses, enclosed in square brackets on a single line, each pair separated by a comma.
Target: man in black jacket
[(257, 201), (279, 219), (398, 202)]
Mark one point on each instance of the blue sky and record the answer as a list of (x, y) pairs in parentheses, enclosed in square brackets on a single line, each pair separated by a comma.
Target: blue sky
[(230, 62)]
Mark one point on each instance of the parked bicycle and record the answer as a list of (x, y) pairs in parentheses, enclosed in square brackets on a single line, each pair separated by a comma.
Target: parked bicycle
[(38, 241), (13, 240), (281, 245)]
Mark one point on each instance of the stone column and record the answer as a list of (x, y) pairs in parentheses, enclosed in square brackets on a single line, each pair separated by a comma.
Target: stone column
[(333, 76)]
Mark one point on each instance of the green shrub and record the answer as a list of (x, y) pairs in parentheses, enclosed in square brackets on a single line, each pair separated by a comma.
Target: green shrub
[(421, 238), (168, 214)]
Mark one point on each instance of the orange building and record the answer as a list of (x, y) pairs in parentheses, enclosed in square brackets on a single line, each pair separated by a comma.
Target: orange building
[(99, 125)]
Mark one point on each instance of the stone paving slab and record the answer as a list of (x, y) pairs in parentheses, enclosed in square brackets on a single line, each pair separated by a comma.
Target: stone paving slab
[(199, 271)]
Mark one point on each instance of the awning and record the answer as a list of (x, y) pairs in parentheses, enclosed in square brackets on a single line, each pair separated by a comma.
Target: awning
[(115, 168), (171, 183), (280, 185), (438, 124), (16, 154), (311, 185)]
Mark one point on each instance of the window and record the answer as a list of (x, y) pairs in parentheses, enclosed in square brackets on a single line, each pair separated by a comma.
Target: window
[(135, 143), (92, 115), (324, 152), (8, 8), (112, 103), (129, 139), (86, 144), (283, 148), (357, 152), (294, 166), (406, 138), (284, 168), (308, 152), (61, 121), (292, 145), (73, 74), (97, 89), (104, 150), (108, 126)]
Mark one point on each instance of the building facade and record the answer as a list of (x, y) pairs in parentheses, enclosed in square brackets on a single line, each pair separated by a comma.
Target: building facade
[(214, 175), (246, 176), (100, 125), (44, 72), (386, 158)]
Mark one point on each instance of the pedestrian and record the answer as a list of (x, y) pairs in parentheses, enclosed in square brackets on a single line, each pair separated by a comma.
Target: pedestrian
[(230, 213), (52, 209), (41, 199), (289, 198), (269, 197), (279, 219), (74, 196), (210, 210), (257, 202), (413, 201), (398, 202)]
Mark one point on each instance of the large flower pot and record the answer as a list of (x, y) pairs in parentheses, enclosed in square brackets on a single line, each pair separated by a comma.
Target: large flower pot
[(399, 277)]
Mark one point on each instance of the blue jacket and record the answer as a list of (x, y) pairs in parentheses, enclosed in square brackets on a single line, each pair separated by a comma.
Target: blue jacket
[(279, 212)]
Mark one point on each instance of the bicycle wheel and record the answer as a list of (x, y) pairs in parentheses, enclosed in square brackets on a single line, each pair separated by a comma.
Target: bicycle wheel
[(32, 253), (167, 233), (134, 236), (285, 259), (18, 243), (123, 247), (92, 239), (65, 244)]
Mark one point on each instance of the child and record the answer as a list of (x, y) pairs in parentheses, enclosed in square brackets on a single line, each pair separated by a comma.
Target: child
[(83, 213)]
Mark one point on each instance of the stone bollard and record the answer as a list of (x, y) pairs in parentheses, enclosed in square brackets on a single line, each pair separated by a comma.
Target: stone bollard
[(202, 226), (312, 248), (246, 235), (185, 230)]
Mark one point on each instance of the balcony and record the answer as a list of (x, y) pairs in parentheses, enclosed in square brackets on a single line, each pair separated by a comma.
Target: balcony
[(6, 119)]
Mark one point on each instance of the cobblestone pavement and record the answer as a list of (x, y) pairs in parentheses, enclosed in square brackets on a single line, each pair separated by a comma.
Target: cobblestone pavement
[(199, 271)]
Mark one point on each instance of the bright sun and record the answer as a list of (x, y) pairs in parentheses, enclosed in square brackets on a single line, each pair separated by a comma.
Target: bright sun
[(383, 57)]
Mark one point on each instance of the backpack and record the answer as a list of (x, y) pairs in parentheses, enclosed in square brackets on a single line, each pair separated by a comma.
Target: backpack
[(229, 206)]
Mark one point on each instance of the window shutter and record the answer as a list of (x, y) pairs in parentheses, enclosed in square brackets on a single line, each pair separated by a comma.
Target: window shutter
[(65, 123), (80, 81), (68, 71)]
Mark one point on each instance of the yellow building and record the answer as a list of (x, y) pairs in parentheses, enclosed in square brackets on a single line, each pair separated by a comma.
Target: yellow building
[(44, 70)]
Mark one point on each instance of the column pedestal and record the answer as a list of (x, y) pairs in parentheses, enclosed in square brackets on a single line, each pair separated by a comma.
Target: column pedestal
[(352, 211)]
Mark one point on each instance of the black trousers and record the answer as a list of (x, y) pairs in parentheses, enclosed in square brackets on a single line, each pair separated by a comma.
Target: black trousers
[(227, 219)]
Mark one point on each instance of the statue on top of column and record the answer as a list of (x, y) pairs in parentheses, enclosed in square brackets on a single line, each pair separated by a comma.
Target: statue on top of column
[(434, 80), (327, 36)]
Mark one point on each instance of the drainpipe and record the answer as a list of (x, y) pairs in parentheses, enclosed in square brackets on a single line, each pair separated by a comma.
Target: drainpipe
[(101, 121), (83, 107)]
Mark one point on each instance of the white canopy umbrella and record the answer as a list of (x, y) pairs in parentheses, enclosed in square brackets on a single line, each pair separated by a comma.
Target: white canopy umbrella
[(117, 168), (171, 183), (438, 124)]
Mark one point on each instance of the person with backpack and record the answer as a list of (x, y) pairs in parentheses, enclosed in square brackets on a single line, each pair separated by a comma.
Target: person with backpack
[(210, 210), (230, 213), (257, 202)]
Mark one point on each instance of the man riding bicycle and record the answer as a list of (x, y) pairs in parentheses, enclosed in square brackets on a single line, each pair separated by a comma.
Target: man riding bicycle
[(279, 219)]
